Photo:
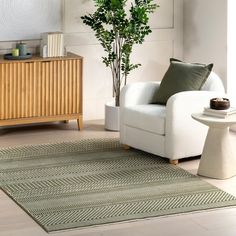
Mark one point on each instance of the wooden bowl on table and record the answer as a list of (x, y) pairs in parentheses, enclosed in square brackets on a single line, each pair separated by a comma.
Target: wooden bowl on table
[(219, 103)]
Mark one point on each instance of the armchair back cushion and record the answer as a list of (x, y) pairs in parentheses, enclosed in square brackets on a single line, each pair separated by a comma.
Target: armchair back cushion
[(180, 77)]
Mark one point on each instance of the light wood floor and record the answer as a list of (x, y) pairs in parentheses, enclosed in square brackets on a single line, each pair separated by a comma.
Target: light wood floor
[(15, 222)]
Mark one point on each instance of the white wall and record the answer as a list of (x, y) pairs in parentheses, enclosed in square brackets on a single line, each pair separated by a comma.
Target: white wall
[(210, 36), (165, 41), (231, 51), (205, 34), (24, 19)]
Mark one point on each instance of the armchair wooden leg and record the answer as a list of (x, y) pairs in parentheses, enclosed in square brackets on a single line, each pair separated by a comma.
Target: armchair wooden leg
[(174, 162), (126, 147)]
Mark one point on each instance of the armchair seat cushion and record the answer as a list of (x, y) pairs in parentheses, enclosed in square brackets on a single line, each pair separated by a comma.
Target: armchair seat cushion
[(149, 117)]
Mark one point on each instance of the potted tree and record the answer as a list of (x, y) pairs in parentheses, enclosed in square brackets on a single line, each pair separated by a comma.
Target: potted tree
[(118, 27)]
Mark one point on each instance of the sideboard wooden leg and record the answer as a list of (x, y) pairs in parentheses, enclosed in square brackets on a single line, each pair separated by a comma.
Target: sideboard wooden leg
[(80, 123)]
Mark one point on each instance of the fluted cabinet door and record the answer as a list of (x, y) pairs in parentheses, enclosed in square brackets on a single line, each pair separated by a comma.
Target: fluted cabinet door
[(18, 86), (50, 88), (60, 88)]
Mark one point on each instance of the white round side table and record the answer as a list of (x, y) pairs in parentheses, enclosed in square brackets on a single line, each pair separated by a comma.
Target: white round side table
[(218, 159)]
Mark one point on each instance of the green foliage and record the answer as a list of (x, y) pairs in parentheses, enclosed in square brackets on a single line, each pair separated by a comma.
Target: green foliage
[(118, 29)]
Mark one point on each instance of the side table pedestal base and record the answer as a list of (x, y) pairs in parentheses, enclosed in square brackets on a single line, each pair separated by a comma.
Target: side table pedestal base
[(218, 159)]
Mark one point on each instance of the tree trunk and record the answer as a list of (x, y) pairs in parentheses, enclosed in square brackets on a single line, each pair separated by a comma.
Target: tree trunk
[(117, 99)]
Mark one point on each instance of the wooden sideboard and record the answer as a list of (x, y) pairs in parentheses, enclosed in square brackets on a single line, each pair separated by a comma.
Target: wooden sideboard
[(41, 90)]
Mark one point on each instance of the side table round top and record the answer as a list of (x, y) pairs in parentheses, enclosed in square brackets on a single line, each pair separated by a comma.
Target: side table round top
[(210, 120)]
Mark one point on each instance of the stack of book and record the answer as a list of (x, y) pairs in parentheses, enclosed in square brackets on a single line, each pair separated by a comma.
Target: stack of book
[(52, 44), (219, 113)]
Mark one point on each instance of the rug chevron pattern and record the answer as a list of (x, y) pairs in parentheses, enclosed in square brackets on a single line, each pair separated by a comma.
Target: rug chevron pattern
[(91, 182)]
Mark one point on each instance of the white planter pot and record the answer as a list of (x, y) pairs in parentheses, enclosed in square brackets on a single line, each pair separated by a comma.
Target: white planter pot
[(112, 117)]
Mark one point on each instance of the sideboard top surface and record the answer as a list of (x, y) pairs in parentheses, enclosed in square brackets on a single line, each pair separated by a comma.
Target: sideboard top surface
[(38, 58)]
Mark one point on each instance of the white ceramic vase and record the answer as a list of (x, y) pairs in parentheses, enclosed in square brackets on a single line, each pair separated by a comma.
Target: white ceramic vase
[(112, 117)]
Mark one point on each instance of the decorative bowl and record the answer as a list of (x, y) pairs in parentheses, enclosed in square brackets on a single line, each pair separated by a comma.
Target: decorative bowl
[(9, 56), (219, 103)]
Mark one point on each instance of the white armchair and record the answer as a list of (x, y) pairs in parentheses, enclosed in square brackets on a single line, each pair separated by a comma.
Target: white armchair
[(168, 131)]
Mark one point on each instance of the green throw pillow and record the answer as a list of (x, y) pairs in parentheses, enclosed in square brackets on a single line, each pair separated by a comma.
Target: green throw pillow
[(180, 77)]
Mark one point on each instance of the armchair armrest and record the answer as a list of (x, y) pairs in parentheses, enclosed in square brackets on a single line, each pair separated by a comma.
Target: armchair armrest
[(183, 133), (138, 93), (189, 102)]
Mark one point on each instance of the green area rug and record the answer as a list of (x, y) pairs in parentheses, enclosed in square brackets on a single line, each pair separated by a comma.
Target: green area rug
[(91, 182)]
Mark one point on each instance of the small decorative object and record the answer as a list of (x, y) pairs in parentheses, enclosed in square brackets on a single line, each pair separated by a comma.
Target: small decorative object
[(10, 56), (18, 53), (52, 44), (15, 52), (44, 51), (219, 103), (22, 48)]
